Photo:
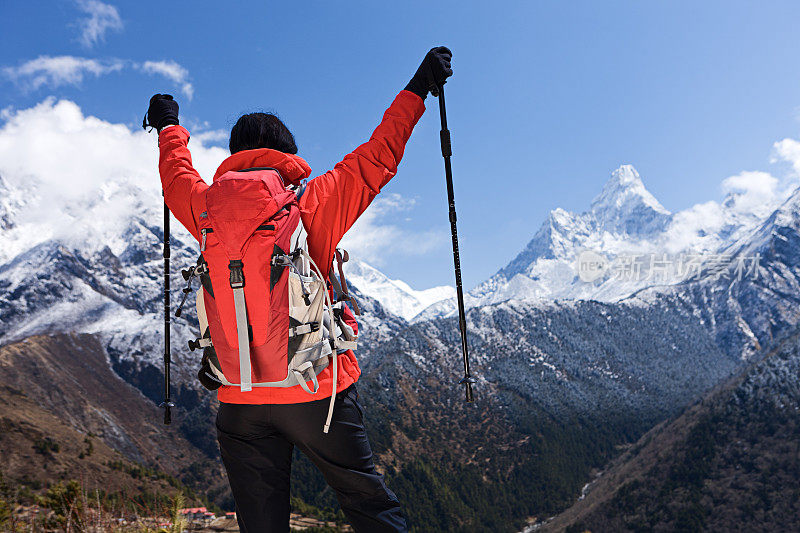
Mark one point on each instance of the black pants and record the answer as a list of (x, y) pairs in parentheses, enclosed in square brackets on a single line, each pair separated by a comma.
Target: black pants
[(256, 442)]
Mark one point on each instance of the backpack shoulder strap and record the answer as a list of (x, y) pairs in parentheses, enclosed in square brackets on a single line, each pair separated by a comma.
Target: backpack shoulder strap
[(242, 331)]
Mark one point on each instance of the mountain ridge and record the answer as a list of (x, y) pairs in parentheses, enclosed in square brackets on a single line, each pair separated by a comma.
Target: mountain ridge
[(396, 296), (624, 224)]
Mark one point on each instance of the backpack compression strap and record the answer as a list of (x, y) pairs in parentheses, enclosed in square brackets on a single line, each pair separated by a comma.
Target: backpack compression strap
[(342, 294), (237, 284), (334, 356)]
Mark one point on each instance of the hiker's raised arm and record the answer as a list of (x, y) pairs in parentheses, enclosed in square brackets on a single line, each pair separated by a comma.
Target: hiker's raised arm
[(334, 201), (181, 183)]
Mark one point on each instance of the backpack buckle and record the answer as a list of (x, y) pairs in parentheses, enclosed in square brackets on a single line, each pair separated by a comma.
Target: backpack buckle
[(237, 274), (198, 344), (281, 260)]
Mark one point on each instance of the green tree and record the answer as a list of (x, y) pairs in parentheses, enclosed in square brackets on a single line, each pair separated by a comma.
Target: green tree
[(66, 501), (178, 522)]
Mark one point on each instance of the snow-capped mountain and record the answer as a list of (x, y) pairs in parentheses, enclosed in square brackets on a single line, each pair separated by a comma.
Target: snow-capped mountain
[(627, 235), (625, 207), (93, 264), (395, 295), (756, 298)]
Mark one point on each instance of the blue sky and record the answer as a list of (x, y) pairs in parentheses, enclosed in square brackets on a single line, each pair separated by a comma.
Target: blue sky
[(547, 98)]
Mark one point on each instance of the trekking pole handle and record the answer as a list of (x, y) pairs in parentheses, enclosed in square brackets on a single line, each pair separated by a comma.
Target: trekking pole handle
[(444, 137), (435, 88)]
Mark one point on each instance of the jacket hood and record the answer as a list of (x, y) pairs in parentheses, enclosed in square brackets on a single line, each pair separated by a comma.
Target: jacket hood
[(292, 168)]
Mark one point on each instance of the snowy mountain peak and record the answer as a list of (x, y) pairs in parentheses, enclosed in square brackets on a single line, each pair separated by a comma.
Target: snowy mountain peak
[(559, 217), (394, 295), (623, 189), (626, 206), (626, 175)]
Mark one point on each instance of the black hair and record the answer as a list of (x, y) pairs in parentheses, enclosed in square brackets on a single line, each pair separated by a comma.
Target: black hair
[(261, 130)]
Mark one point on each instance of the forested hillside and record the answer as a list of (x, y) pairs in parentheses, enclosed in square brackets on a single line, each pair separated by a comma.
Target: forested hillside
[(730, 463)]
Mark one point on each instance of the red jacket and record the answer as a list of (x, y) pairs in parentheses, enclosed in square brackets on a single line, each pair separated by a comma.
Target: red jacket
[(329, 207)]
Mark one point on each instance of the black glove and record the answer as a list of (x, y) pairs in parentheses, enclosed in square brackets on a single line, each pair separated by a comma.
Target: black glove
[(433, 71), (163, 111)]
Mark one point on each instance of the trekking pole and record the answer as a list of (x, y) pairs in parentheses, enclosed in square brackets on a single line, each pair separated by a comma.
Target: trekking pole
[(447, 151), (167, 404)]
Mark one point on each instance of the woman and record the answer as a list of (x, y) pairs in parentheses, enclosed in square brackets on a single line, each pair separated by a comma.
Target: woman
[(258, 430)]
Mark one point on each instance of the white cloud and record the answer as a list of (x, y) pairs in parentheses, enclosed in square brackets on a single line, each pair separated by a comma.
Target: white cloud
[(172, 71), (66, 155), (374, 239), (750, 197), (695, 227), (59, 70), (101, 18), (210, 136), (752, 192), (787, 150), (71, 70)]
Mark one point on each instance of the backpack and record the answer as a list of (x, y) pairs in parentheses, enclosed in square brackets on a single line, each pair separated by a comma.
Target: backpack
[(265, 313)]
